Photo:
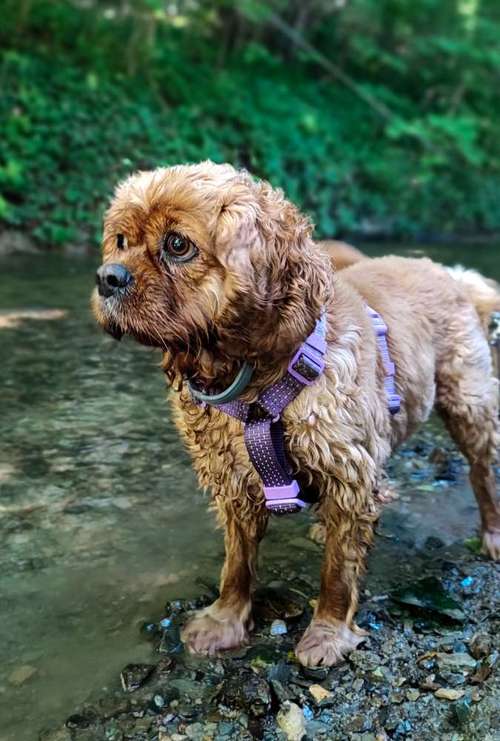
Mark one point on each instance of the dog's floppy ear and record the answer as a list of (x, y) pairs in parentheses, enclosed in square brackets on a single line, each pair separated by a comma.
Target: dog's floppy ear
[(237, 234)]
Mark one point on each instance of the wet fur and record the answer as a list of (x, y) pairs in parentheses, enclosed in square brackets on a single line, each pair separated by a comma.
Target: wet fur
[(254, 292)]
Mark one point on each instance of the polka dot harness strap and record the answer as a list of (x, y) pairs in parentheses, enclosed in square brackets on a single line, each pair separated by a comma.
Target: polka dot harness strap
[(263, 428)]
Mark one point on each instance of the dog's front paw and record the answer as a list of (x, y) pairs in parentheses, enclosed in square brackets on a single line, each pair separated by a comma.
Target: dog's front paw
[(327, 643), (491, 544), (216, 629)]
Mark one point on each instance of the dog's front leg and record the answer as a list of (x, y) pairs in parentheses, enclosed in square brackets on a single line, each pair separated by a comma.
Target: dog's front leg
[(332, 632), (225, 623)]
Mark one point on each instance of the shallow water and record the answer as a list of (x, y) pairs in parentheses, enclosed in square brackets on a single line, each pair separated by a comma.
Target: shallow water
[(100, 518)]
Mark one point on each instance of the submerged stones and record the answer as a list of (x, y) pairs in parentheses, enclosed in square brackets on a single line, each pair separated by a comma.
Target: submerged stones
[(428, 595), (22, 674), (134, 676)]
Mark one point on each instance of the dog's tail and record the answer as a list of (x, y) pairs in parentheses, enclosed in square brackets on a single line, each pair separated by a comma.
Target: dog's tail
[(482, 292)]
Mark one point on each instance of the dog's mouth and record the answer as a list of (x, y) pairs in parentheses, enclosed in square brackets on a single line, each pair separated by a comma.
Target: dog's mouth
[(112, 328)]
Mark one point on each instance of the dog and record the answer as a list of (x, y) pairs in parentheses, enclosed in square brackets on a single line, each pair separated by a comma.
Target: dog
[(341, 254), (220, 272)]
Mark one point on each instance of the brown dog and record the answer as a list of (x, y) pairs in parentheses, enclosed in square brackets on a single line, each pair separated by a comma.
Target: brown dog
[(341, 254), (216, 269)]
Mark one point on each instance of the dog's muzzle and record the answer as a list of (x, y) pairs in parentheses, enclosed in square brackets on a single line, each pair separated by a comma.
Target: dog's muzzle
[(111, 279)]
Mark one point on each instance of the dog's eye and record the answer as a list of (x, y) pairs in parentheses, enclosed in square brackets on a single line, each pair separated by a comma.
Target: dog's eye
[(178, 248), (121, 241)]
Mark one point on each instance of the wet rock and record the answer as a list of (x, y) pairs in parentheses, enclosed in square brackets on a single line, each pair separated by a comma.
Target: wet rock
[(480, 645), (282, 605), (448, 693), (364, 660), (81, 720), (248, 691), (134, 676), (278, 628), (315, 673), (412, 695), (319, 693), (22, 674), (158, 703), (429, 595), (380, 675), (452, 662), (461, 712), (485, 669), (291, 721)]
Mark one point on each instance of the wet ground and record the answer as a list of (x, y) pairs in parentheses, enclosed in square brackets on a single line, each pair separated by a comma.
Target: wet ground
[(101, 526)]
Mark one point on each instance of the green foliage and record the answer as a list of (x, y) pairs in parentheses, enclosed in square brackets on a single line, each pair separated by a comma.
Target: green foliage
[(377, 115)]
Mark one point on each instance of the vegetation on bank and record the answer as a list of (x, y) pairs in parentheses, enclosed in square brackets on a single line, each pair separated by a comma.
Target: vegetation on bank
[(374, 115)]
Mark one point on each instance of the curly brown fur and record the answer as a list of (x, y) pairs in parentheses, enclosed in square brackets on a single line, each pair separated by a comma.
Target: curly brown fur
[(253, 293)]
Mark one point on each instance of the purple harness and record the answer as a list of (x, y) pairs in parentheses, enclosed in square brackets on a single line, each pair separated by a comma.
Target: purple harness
[(263, 428)]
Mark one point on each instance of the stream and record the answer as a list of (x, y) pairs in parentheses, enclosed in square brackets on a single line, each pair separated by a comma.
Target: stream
[(101, 522)]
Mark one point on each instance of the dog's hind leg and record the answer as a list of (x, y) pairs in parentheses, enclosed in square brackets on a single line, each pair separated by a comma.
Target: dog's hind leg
[(467, 399), (225, 623)]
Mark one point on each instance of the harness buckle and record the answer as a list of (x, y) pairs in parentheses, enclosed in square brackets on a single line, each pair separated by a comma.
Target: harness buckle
[(306, 365), (284, 499)]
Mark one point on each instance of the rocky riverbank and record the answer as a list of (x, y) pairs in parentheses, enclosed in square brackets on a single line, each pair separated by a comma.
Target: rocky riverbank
[(427, 670)]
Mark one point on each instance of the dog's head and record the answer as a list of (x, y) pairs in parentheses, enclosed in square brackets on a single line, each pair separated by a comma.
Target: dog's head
[(204, 259)]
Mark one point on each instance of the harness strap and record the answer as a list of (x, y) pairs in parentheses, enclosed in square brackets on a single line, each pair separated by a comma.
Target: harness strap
[(263, 428), (380, 327)]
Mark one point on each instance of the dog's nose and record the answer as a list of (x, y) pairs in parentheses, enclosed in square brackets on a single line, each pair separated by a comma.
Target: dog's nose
[(111, 277)]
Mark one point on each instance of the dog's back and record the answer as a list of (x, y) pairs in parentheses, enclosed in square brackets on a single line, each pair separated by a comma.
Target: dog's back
[(433, 322), (341, 254)]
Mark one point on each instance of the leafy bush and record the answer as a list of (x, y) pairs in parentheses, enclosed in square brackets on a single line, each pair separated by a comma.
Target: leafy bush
[(90, 92)]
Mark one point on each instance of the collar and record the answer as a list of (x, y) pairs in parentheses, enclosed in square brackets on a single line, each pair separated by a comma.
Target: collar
[(232, 392)]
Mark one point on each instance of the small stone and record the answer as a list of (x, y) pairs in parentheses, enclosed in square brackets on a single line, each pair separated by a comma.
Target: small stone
[(461, 711), (158, 702), (412, 695), (278, 628), (319, 693), (134, 676), (480, 645), (195, 730), (485, 668), (379, 674), (446, 693), (291, 721), (364, 660), (315, 673), (22, 674), (452, 662), (308, 713)]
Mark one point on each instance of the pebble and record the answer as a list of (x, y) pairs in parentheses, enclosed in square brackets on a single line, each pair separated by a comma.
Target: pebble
[(412, 695), (446, 693), (308, 713), (22, 674), (278, 628), (134, 676), (319, 693), (459, 661), (159, 701), (480, 645), (291, 721)]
